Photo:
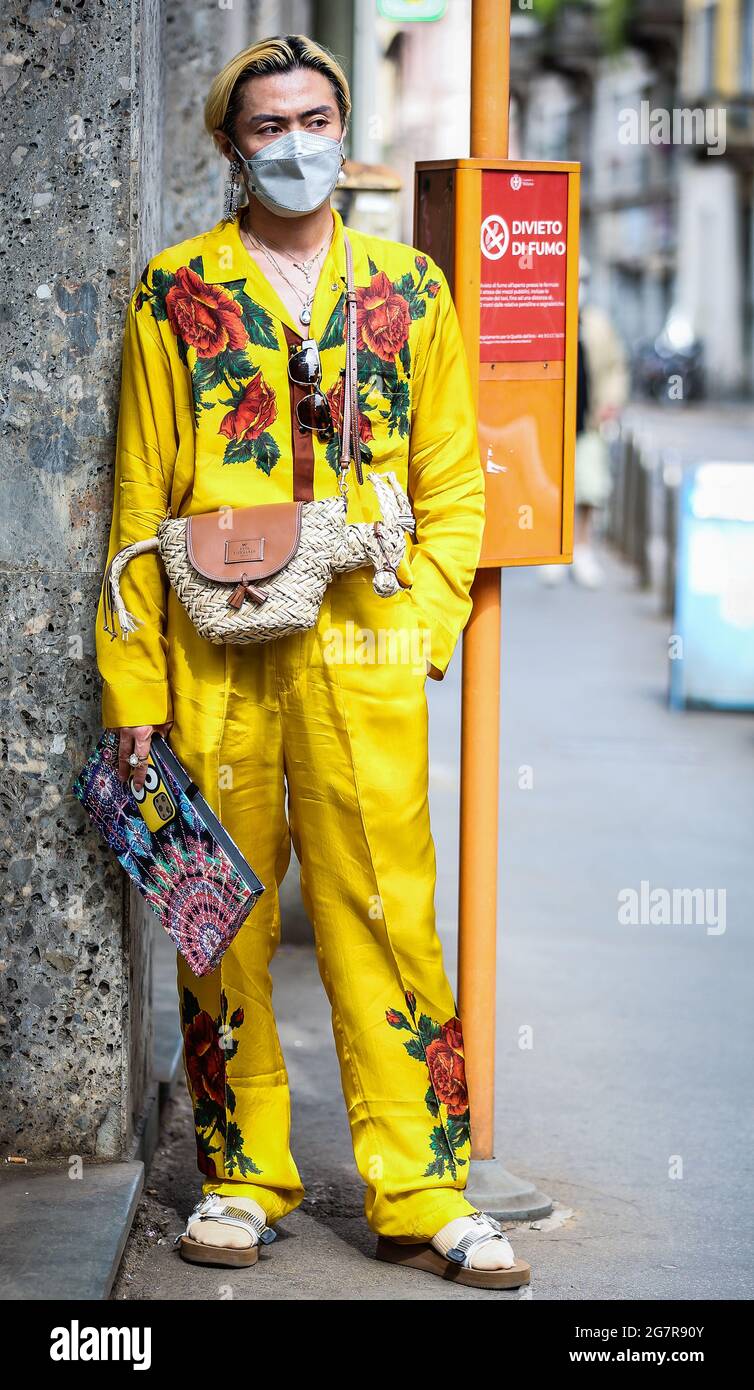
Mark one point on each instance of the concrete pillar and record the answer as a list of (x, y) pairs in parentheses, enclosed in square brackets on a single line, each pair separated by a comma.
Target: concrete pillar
[(81, 214)]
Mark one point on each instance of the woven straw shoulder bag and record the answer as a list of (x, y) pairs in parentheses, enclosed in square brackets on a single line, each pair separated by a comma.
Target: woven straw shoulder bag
[(251, 574)]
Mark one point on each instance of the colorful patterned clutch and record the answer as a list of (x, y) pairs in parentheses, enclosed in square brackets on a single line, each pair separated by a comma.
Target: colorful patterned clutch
[(174, 848)]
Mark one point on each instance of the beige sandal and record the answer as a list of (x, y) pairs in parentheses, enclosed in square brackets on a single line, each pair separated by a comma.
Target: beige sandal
[(455, 1264), (216, 1208)]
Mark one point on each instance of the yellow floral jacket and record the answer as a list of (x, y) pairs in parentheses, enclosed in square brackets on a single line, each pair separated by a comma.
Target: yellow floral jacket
[(207, 419)]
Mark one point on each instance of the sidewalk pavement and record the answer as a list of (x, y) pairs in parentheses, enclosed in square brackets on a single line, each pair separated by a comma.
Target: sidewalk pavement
[(632, 1108)]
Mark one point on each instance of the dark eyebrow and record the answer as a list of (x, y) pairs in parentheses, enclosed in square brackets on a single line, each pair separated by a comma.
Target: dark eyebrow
[(313, 111)]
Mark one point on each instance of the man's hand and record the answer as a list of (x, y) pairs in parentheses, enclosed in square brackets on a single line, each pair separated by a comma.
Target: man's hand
[(137, 738)]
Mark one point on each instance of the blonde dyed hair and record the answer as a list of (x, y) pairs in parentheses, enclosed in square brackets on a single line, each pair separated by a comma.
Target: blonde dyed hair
[(283, 53)]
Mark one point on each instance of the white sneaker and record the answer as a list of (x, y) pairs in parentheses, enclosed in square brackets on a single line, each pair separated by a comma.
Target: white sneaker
[(586, 568)]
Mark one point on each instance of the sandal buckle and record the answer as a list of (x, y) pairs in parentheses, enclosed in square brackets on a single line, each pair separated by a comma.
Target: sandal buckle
[(456, 1255)]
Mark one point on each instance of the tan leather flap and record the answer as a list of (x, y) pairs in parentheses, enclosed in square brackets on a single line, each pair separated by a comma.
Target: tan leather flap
[(258, 543)]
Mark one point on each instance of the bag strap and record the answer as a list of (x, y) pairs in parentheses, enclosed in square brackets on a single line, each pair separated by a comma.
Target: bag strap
[(350, 436)]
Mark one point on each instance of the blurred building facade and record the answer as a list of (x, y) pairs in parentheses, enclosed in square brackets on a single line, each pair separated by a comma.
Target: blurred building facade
[(716, 222), (569, 98), (666, 219)]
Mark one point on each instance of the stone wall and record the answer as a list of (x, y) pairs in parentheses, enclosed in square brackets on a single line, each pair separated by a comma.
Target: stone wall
[(105, 163), (81, 99)]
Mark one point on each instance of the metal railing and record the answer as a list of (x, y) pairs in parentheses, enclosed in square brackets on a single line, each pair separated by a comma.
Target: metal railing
[(642, 516)]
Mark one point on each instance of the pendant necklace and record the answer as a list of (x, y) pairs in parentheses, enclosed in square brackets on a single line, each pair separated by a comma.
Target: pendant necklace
[(305, 266)]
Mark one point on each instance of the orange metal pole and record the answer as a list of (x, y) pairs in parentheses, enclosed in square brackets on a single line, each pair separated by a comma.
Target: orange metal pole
[(480, 727), (490, 78)]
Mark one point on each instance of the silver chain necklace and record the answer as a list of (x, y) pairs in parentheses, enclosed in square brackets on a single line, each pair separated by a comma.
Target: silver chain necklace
[(306, 300)]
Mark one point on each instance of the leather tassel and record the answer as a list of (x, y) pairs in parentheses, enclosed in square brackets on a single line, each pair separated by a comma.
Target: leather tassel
[(243, 590), (236, 598)]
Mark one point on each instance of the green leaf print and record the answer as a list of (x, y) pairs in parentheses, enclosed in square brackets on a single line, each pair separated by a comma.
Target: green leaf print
[(334, 334), (240, 451), (397, 415), (257, 322), (376, 374), (162, 281), (205, 376), (405, 285), (443, 1157), (415, 1049), (206, 1113), (431, 1102), (332, 452), (266, 453), (458, 1131), (237, 367), (230, 368), (234, 1154), (428, 1029)]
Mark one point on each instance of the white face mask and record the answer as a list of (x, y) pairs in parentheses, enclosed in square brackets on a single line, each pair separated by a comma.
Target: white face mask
[(295, 173)]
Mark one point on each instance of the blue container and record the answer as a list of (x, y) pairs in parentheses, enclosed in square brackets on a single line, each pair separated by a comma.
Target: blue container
[(712, 645)]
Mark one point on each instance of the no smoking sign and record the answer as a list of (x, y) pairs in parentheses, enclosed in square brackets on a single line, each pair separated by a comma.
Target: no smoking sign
[(523, 266)]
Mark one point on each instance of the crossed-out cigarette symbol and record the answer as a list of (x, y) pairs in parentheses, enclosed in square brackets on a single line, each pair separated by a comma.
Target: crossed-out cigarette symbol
[(495, 237)]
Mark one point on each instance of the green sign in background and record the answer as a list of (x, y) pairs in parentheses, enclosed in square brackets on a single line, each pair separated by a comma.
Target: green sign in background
[(406, 10)]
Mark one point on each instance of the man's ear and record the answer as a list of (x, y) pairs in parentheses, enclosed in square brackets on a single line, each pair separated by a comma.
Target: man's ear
[(223, 143)]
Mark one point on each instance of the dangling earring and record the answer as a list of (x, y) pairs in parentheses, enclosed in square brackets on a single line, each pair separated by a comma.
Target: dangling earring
[(232, 191)]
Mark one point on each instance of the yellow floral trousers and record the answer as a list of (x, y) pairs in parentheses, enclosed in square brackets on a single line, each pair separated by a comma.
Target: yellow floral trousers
[(339, 714)]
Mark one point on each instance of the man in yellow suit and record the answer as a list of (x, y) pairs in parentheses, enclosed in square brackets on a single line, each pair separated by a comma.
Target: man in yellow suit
[(209, 417)]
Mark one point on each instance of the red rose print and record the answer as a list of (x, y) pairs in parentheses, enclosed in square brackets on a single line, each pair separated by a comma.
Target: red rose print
[(452, 1032), (255, 412), (204, 1162), (382, 316), (439, 1046), (335, 400), (204, 1059), (446, 1067), (205, 316)]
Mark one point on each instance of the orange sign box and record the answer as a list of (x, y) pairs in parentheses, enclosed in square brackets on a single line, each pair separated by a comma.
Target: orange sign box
[(505, 233)]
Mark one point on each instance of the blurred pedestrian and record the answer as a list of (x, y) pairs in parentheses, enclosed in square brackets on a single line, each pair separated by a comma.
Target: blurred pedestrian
[(602, 391)]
